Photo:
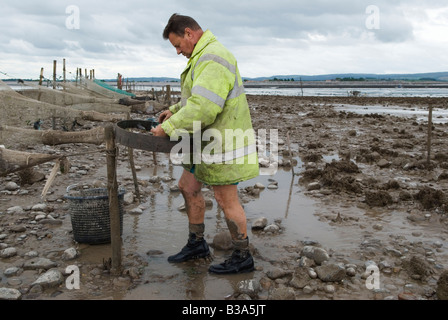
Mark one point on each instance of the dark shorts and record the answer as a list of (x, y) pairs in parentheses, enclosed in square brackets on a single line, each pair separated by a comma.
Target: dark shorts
[(192, 171)]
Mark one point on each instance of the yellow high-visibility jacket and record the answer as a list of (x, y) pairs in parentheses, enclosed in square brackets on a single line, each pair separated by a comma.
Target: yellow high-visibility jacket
[(214, 107)]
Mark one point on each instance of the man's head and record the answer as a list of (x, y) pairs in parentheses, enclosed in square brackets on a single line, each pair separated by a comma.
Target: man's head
[(183, 32)]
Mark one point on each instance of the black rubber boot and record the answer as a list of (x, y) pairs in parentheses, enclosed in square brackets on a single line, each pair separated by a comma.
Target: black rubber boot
[(194, 249), (239, 262)]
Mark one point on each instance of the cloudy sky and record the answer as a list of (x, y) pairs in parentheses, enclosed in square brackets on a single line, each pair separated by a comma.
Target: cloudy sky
[(277, 37)]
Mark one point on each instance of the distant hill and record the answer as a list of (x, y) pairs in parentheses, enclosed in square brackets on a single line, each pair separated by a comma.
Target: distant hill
[(147, 79), (434, 76), (431, 76)]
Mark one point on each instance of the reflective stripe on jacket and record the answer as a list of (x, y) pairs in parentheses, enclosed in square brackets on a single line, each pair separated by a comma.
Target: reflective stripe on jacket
[(212, 95)]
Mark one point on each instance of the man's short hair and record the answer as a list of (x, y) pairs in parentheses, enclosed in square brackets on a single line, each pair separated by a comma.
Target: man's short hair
[(177, 24)]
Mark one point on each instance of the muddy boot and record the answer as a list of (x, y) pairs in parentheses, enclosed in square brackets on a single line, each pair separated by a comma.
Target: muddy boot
[(241, 260), (195, 248)]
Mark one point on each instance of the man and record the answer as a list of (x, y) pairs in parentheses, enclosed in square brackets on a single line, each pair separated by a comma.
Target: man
[(212, 95)]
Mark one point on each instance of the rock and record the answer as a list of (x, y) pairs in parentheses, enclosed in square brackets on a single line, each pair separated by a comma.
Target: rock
[(136, 211), (306, 262), (18, 228), (282, 293), (442, 286), (222, 241), (383, 163), (154, 179), (272, 228), (39, 207), (8, 252), (10, 294), (319, 255), (300, 278), (11, 186), (51, 278), (330, 272), (260, 223), (313, 186), (128, 198), (418, 266), (259, 185), (69, 254), (12, 271), (15, 210), (276, 273), (39, 263), (329, 288), (251, 287), (54, 222)]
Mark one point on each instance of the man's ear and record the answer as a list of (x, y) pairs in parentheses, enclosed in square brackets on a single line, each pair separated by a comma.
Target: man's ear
[(188, 33)]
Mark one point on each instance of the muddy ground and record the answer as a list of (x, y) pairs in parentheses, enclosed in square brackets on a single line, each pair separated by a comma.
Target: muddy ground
[(358, 186)]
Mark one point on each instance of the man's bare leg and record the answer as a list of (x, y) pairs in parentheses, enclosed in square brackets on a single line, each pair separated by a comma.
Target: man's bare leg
[(241, 261), (195, 205)]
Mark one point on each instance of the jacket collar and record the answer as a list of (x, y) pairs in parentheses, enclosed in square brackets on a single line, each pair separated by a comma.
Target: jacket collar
[(206, 38)]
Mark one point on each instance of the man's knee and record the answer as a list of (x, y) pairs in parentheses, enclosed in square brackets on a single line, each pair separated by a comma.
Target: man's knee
[(188, 185)]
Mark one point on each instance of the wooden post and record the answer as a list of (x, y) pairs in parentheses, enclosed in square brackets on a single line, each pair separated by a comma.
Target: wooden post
[(63, 69), (428, 160), (114, 210), (168, 94), (41, 76), (54, 74), (132, 163)]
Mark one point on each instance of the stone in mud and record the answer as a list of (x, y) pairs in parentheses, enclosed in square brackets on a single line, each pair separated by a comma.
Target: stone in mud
[(259, 223), (430, 198), (383, 163), (51, 278), (378, 198), (318, 255), (442, 286), (222, 241), (330, 272), (10, 294), (282, 293), (39, 263), (8, 252), (300, 278)]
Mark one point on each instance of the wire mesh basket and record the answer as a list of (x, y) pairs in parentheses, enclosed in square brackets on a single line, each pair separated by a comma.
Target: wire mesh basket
[(89, 211)]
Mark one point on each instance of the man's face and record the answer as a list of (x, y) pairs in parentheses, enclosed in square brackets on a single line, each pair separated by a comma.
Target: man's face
[(183, 44)]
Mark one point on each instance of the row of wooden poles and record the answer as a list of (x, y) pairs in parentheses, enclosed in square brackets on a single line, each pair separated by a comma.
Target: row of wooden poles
[(64, 73)]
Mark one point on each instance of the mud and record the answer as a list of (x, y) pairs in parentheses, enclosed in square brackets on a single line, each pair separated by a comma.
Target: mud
[(359, 186)]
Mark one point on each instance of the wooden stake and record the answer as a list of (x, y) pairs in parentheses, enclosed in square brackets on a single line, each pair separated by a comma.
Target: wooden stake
[(428, 160), (114, 209), (131, 162), (54, 74), (63, 70), (168, 94), (41, 76)]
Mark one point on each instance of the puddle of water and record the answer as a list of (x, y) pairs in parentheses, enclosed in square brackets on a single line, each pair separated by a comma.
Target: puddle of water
[(420, 114), (163, 227)]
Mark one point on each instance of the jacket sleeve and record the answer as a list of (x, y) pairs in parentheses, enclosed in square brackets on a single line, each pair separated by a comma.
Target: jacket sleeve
[(175, 107), (211, 85)]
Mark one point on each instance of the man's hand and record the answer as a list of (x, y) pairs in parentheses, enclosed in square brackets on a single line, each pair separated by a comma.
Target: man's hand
[(165, 115), (158, 131)]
